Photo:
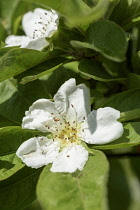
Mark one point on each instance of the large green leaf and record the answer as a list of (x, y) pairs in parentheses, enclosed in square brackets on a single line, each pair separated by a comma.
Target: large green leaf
[(13, 136), (15, 98), (9, 164), (108, 39), (18, 191), (130, 137), (125, 101), (18, 60), (95, 70), (77, 12), (85, 190)]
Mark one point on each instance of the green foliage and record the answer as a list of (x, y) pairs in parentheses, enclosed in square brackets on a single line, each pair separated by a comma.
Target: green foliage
[(98, 44), (123, 182), (93, 69), (11, 138), (17, 134), (76, 12), (16, 99), (126, 13), (18, 191), (16, 61), (125, 101), (10, 164), (82, 190)]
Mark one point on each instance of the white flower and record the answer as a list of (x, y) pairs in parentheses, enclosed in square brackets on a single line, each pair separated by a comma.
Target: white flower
[(13, 40), (37, 25), (71, 122)]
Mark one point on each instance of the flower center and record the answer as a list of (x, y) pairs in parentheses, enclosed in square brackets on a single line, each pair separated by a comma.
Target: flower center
[(44, 27), (66, 132)]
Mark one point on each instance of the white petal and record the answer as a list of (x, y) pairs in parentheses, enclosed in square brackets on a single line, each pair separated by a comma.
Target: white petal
[(102, 126), (70, 159), (29, 23), (40, 23), (76, 96), (37, 152), (37, 44), (13, 40), (40, 115)]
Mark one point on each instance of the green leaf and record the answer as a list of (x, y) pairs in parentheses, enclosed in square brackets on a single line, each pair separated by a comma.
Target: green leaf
[(108, 39), (112, 4), (134, 81), (85, 190), (41, 70), (61, 38), (130, 115), (136, 62), (13, 136), (19, 60), (7, 9), (123, 183), (95, 70), (5, 122), (125, 13), (16, 99), (76, 12), (18, 191), (130, 137), (9, 164), (55, 79), (125, 101), (3, 33)]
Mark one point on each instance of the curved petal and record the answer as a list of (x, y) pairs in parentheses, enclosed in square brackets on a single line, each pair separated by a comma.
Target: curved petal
[(37, 152), (13, 40), (70, 159), (102, 126), (40, 116), (29, 23), (37, 44), (76, 96), (40, 23)]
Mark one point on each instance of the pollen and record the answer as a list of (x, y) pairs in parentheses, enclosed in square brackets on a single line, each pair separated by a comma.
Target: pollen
[(66, 132)]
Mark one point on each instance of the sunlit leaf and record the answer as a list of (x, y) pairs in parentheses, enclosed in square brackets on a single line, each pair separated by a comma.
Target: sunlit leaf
[(82, 190)]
